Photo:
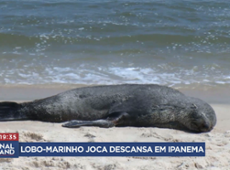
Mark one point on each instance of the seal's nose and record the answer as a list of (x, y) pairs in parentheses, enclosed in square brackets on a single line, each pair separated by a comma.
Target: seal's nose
[(205, 127)]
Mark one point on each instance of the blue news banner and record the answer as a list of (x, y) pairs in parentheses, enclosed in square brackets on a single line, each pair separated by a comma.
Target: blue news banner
[(13, 148)]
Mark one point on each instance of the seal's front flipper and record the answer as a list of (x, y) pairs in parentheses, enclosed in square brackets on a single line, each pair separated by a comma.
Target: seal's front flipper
[(110, 121), (78, 123)]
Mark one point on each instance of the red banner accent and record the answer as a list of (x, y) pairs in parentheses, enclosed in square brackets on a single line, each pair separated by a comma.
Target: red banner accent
[(9, 136)]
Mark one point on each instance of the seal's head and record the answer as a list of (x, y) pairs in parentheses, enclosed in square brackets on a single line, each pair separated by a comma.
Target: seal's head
[(202, 117)]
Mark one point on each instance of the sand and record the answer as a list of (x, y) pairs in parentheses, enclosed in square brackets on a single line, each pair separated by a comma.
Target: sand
[(217, 146)]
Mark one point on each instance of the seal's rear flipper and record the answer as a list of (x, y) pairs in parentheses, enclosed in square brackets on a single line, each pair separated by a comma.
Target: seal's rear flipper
[(10, 111), (110, 121)]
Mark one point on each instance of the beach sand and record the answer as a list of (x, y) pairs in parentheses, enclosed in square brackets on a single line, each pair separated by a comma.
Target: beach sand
[(217, 143)]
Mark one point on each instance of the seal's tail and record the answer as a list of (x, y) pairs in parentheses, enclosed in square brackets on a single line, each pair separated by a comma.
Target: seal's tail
[(10, 111)]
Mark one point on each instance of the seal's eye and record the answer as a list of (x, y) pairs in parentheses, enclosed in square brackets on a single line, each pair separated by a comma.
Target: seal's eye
[(194, 106)]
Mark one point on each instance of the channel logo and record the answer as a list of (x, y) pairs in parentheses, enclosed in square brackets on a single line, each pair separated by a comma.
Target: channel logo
[(9, 145)]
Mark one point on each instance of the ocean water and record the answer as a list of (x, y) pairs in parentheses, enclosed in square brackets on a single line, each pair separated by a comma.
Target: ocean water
[(169, 42)]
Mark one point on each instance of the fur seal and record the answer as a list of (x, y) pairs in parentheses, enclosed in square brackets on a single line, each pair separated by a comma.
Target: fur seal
[(117, 105)]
